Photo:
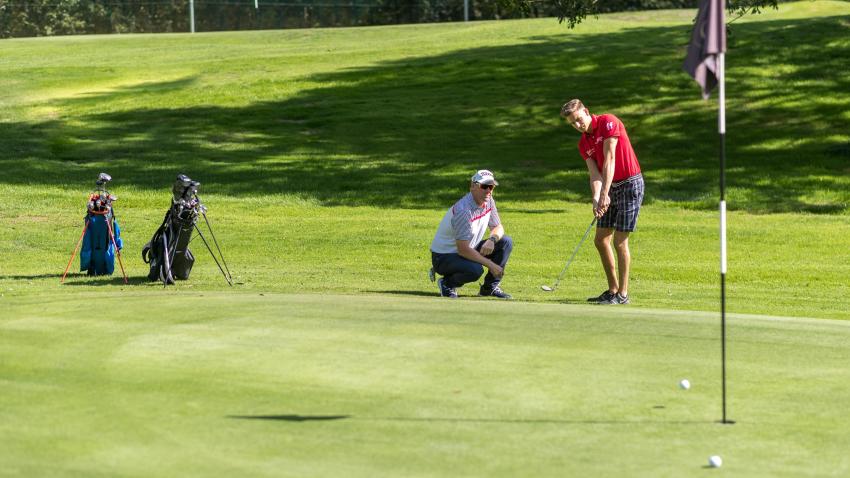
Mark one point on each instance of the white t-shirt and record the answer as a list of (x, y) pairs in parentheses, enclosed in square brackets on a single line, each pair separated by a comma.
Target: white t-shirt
[(465, 221)]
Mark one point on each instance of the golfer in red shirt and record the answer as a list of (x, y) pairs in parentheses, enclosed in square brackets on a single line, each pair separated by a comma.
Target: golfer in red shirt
[(617, 188)]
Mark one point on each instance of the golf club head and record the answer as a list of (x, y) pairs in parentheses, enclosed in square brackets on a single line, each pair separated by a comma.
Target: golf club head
[(184, 189), (102, 179), (570, 261)]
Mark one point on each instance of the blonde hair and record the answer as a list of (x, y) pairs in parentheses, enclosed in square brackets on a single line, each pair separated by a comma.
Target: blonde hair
[(571, 106)]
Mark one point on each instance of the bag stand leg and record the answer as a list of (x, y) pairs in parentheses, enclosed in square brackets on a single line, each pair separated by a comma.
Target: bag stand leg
[(73, 254), (226, 276), (165, 271), (117, 251)]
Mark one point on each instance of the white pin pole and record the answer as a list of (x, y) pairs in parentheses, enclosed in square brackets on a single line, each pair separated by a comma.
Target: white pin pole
[(721, 128)]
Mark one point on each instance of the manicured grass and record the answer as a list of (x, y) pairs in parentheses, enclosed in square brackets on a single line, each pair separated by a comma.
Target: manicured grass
[(201, 384), (328, 156), (327, 159), (283, 245), (352, 116)]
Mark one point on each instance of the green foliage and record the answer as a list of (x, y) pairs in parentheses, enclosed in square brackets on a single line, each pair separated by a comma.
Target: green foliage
[(743, 7), (21, 18), (575, 11)]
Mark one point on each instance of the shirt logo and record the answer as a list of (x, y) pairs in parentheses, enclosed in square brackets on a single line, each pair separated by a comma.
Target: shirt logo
[(609, 125), (590, 152), (483, 214)]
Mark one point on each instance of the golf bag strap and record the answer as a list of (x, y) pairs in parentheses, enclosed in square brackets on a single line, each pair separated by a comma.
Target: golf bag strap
[(146, 251)]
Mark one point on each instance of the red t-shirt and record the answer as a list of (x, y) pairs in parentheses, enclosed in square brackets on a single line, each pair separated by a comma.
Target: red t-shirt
[(590, 146)]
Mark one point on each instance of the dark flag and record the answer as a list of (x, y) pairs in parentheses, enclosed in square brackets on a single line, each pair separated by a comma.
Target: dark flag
[(707, 40)]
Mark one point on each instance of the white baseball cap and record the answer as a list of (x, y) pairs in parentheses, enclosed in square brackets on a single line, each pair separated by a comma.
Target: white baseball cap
[(484, 176)]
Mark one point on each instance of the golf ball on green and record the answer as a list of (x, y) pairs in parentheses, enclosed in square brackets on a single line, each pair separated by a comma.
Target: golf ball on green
[(715, 461), (684, 384)]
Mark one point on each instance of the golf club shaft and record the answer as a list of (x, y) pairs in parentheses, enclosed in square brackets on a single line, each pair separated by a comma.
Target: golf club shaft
[(564, 271)]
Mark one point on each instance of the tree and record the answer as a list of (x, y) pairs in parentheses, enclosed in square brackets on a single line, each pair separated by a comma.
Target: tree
[(574, 11)]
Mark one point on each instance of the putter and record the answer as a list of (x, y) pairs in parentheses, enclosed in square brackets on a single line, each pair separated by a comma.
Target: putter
[(570, 261)]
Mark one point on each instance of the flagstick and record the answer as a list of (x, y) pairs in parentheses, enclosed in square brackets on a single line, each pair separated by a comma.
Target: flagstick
[(721, 76)]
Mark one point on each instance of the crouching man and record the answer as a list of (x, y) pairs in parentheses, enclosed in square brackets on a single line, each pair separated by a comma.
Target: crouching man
[(459, 251)]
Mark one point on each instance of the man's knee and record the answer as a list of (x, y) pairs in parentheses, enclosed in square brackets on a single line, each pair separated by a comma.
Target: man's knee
[(469, 272), (506, 243)]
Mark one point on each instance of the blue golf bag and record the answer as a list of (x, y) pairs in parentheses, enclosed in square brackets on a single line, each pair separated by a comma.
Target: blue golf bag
[(97, 254), (100, 243)]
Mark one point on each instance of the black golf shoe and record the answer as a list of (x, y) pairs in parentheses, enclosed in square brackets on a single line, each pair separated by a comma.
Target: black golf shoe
[(445, 291), (616, 299), (604, 297), (495, 291)]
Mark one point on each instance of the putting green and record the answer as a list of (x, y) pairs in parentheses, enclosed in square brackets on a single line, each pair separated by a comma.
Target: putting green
[(170, 384)]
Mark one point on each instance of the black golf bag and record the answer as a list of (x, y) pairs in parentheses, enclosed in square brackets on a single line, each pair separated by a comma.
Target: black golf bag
[(168, 251)]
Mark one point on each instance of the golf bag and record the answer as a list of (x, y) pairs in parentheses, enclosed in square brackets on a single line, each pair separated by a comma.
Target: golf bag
[(97, 255), (100, 242), (168, 251)]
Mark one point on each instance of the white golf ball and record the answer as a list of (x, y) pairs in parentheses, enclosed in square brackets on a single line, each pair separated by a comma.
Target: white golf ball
[(715, 461), (684, 384)]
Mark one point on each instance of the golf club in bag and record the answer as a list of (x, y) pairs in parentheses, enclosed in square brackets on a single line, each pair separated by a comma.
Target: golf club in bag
[(168, 251), (100, 241), (570, 261)]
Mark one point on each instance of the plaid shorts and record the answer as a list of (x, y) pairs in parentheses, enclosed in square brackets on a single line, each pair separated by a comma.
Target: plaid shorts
[(626, 198)]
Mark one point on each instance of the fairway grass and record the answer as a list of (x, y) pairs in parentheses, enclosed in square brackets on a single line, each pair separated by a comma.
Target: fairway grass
[(203, 384), (777, 266)]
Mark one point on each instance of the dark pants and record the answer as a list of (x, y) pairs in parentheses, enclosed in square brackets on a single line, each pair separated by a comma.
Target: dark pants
[(457, 270)]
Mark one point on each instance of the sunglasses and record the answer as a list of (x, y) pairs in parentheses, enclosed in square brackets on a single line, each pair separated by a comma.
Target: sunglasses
[(486, 186)]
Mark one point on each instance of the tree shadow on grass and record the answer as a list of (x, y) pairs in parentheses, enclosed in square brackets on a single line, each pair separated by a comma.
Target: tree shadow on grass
[(31, 277), (575, 301), (368, 135), (420, 293), (81, 279)]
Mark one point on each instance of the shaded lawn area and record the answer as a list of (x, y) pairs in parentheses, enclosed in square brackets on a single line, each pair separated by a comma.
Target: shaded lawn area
[(407, 132)]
